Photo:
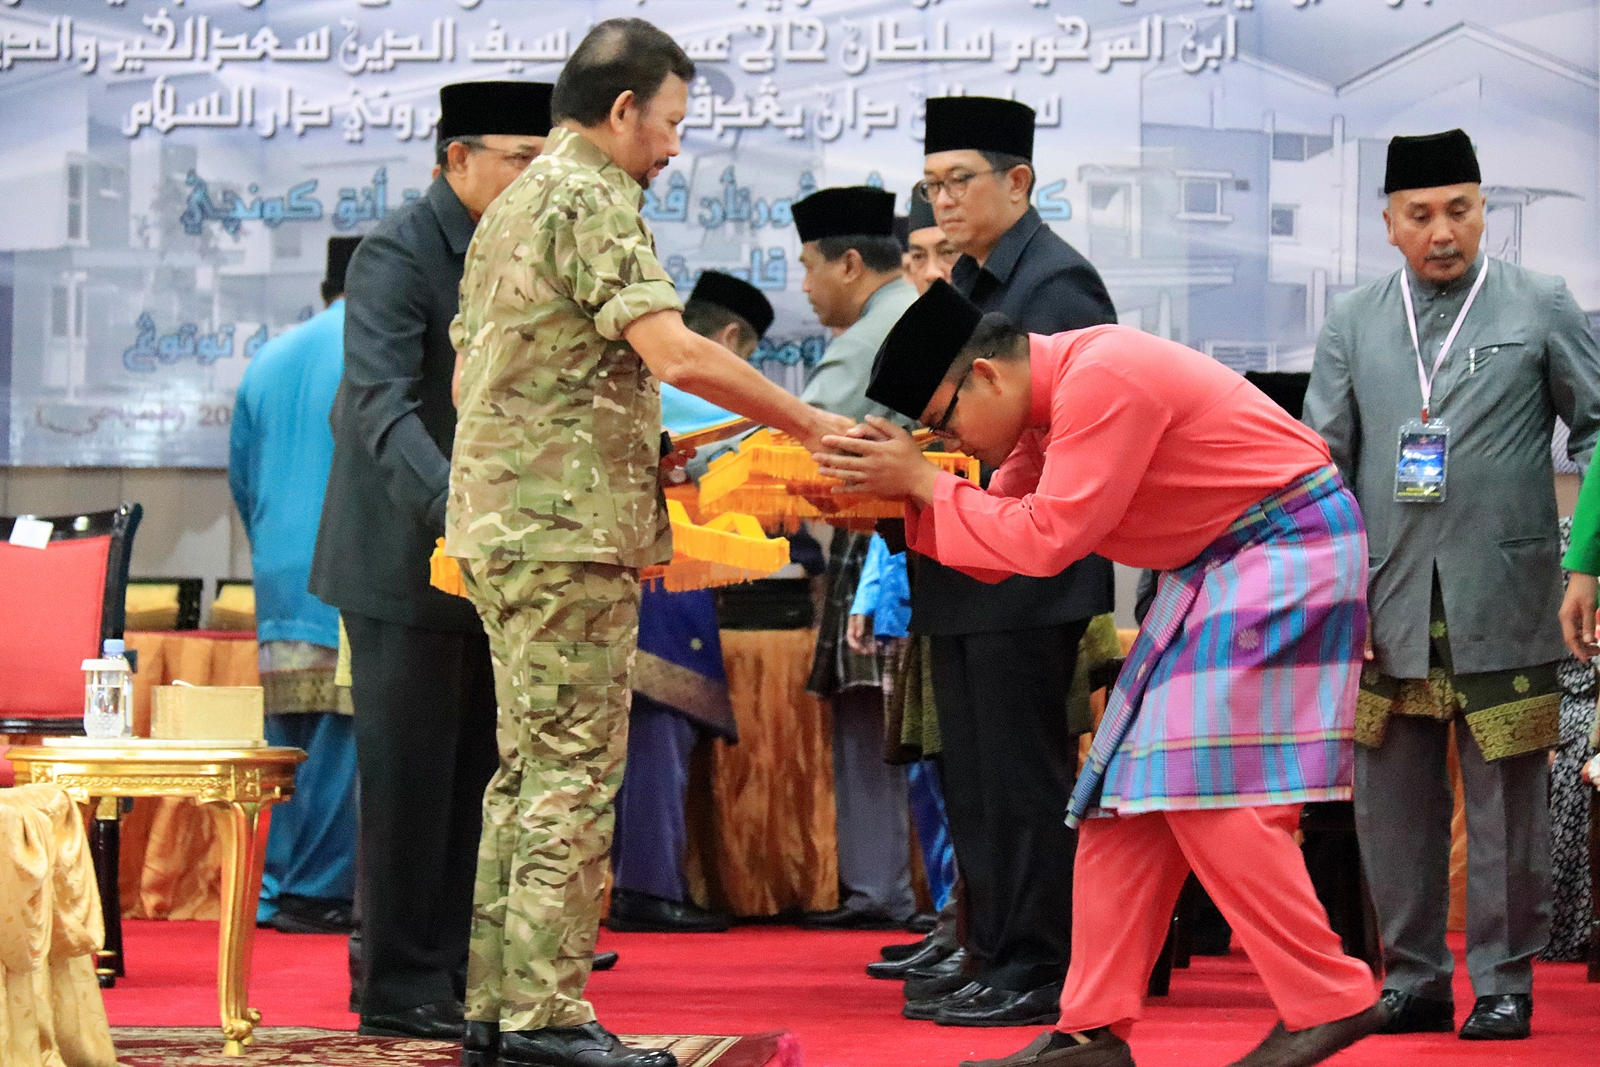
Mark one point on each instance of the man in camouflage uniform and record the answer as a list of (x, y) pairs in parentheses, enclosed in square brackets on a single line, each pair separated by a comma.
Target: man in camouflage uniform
[(567, 320)]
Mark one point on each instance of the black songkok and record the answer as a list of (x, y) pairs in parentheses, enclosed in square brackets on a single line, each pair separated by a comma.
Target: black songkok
[(978, 123), (1431, 161), (920, 349), (921, 215), (472, 109), (851, 211), (340, 249), (737, 296), (902, 232)]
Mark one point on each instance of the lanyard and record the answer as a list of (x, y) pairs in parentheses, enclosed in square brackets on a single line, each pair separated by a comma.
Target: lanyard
[(1424, 378)]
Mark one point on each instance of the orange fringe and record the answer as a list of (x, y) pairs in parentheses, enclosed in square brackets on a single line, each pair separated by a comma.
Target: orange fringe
[(729, 548), (778, 482)]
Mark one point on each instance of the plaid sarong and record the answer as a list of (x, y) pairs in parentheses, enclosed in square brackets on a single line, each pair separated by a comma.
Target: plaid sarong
[(1241, 687)]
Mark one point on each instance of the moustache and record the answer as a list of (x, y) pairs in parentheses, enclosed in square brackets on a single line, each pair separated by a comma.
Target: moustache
[(1445, 253)]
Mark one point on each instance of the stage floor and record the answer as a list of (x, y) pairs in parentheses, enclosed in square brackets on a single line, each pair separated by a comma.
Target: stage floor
[(764, 978)]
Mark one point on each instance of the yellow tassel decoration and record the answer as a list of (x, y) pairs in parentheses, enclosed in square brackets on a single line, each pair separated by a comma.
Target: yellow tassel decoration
[(726, 550), (444, 573), (777, 481)]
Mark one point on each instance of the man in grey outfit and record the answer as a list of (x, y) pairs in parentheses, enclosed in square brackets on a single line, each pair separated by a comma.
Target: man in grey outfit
[(1437, 389)]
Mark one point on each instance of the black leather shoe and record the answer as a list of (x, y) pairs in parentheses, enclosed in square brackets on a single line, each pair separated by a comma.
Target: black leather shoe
[(1040, 1006), (1506, 1017), (430, 1022), (641, 913), (901, 949), (849, 919), (480, 1045), (590, 1045), (928, 1008), (932, 952), (1417, 1015), (953, 963), (311, 915), (1302, 1048), (604, 961), (951, 975)]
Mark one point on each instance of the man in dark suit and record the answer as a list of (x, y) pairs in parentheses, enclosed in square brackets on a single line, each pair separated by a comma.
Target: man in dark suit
[(423, 682), (1003, 655)]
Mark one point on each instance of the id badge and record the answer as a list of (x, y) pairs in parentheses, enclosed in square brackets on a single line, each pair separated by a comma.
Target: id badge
[(1419, 473)]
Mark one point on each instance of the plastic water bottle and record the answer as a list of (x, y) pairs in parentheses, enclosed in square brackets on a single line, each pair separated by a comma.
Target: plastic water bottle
[(108, 694)]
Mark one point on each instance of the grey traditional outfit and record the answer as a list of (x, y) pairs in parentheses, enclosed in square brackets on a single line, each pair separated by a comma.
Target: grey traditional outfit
[(873, 827), (1463, 596)]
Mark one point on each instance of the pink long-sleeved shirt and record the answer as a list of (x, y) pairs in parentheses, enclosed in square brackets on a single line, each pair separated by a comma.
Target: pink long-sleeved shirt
[(1137, 448)]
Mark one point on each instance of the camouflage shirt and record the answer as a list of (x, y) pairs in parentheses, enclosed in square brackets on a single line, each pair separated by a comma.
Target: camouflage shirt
[(557, 438)]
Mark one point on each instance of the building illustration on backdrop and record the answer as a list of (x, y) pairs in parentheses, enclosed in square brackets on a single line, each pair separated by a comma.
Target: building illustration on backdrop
[(145, 256), (1244, 219)]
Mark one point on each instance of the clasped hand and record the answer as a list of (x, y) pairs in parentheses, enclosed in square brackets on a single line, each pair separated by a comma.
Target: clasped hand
[(880, 459)]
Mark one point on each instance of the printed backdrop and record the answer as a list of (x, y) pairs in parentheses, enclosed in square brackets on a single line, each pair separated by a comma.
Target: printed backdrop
[(170, 170)]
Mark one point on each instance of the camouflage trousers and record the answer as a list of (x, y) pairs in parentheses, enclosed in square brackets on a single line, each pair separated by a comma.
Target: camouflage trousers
[(563, 637)]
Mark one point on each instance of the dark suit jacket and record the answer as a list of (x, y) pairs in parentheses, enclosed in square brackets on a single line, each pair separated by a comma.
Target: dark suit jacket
[(393, 422), (1044, 286)]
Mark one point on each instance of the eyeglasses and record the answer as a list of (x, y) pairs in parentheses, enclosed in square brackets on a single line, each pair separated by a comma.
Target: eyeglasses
[(517, 159), (942, 427), (956, 185)]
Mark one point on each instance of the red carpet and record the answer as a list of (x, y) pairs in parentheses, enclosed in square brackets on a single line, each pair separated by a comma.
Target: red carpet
[(764, 978)]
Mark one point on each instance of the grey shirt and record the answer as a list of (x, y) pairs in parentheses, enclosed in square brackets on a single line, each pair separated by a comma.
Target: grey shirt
[(1524, 356), (839, 382)]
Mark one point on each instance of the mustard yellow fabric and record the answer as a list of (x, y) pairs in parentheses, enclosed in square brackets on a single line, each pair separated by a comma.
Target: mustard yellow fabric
[(767, 842), (51, 1014), (171, 865)]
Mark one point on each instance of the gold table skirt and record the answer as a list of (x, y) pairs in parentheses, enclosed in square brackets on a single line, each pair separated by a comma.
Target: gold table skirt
[(50, 928), (171, 864), (761, 813)]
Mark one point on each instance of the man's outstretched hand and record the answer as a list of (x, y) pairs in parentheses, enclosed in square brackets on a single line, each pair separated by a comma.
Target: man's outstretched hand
[(879, 459), (823, 423)]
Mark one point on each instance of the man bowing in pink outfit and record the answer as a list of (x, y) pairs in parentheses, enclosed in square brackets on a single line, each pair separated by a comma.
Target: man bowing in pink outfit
[(1237, 702)]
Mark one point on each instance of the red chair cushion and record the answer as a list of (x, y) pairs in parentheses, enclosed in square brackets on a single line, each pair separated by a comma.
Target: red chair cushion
[(50, 607)]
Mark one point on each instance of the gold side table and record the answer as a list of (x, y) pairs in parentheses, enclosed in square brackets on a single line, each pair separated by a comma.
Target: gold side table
[(239, 784)]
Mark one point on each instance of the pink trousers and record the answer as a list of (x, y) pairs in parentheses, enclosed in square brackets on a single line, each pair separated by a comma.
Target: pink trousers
[(1128, 876)]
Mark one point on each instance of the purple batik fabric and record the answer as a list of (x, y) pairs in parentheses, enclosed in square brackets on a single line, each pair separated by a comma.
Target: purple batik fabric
[(1241, 687)]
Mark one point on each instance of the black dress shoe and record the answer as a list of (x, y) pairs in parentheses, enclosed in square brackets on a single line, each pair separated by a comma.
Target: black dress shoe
[(480, 1045), (590, 1045), (1417, 1015), (932, 952), (1040, 1006), (641, 913), (928, 1008), (950, 977), (312, 915), (1302, 1048), (430, 1022), (902, 949), (604, 961), (953, 963), (849, 919), (1506, 1017)]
